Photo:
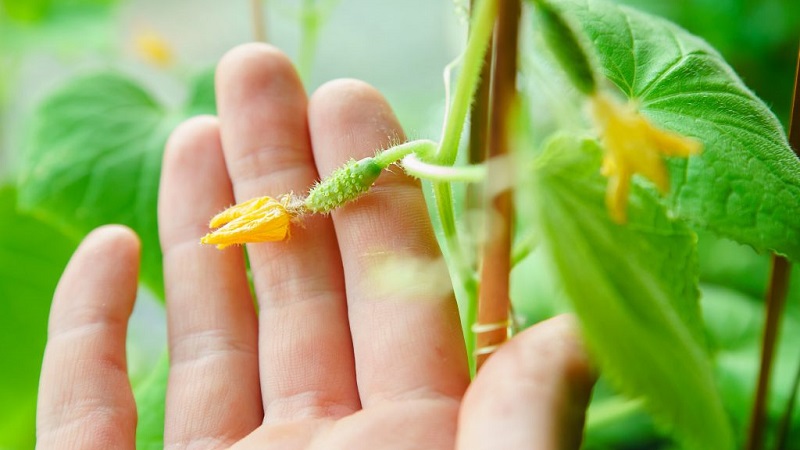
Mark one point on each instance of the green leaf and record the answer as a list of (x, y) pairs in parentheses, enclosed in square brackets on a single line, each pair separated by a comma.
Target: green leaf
[(202, 96), (746, 184), (32, 257), (764, 55), (26, 10), (566, 48), (69, 28), (150, 397), (38, 11), (633, 287), (95, 158)]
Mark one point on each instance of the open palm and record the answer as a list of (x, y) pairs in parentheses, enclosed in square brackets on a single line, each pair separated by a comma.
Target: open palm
[(327, 362)]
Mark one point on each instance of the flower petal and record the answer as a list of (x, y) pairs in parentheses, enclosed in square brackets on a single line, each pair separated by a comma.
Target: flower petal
[(634, 145), (262, 219)]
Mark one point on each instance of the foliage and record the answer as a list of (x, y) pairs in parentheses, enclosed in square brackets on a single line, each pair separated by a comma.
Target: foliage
[(95, 158), (150, 395), (65, 26), (655, 349), (763, 55), (679, 82), (29, 272), (746, 184), (86, 138)]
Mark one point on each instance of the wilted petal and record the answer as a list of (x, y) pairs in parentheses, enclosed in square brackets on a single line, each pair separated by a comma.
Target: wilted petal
[(239, 210), (262, 219)]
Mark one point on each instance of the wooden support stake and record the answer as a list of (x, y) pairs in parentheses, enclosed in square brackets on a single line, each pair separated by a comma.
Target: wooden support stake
[(775, 301), (493, 296)]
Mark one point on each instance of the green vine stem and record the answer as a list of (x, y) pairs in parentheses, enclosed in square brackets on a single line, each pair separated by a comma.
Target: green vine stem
[(477, 45), (478, 144), (391, 155), (312, 16), (310, 23), (523, 248), (433, 172), (482, 25)]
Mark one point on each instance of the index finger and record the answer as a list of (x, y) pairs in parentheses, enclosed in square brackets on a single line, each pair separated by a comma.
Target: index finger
[(305, 351)]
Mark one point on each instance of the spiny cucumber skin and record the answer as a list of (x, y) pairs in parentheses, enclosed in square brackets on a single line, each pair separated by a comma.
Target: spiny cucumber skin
[(345, 184)]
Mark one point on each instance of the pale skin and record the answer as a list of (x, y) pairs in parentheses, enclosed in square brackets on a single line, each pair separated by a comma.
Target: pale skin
[(325, 364)]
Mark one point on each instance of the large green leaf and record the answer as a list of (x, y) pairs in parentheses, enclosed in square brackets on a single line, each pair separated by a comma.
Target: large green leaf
[(95, 158), (25, 10), (68, 28), (32, 256), (202, 98), (746, 184), (764, 55), (150, 402), (38, 11), (633, 287)]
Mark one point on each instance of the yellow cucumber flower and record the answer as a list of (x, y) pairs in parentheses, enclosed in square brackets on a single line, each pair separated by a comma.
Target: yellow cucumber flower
[(154, 48), (262, 219), (265, 219), (633, 145)]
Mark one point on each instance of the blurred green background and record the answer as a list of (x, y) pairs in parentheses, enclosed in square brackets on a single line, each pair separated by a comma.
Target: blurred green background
[(165, 51)]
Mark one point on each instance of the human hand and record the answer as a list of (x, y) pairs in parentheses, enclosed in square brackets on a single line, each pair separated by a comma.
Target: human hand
[(326, 363)]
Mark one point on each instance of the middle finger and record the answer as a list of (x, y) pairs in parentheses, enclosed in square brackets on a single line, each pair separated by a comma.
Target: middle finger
[(306, 359)]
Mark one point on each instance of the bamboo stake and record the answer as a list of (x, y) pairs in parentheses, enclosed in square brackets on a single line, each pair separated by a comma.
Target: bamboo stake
[(493, 297), (775, 301), (257, 17)]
